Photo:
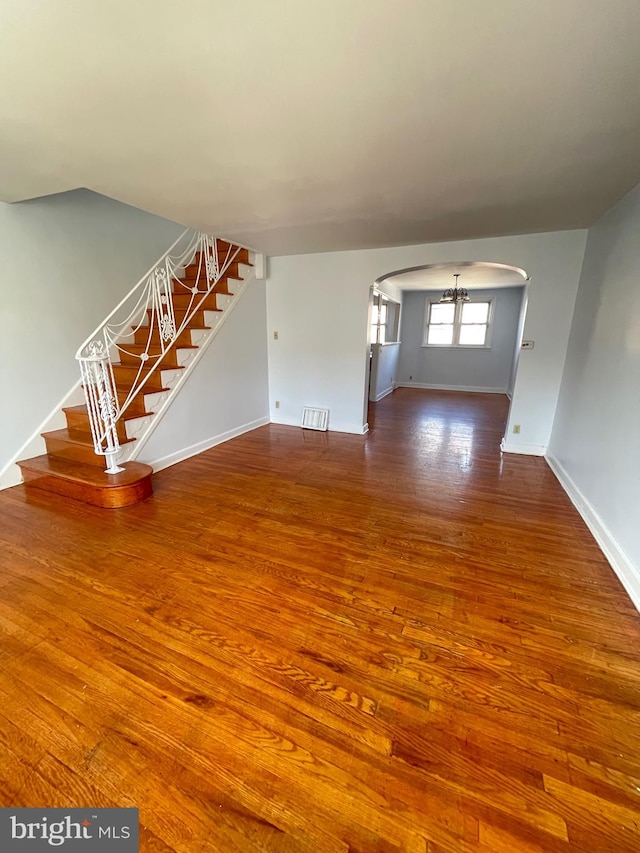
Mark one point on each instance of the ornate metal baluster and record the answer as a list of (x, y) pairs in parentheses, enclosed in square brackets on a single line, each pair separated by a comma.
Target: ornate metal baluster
[(166, 317), (211, 257), (102, 402)]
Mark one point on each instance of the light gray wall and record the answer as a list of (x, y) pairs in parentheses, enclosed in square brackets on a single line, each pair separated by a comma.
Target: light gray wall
[(596, 434), (307, 295), (458, 368), (384, 370), (66, 261), (519, 337)]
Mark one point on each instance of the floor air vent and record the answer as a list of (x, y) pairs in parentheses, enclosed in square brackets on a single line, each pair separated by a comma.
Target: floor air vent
[(315, 418)]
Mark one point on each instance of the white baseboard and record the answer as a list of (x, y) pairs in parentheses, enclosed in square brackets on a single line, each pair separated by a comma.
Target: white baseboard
[(430, 387), (524, 449), (201, 446), (628, 574), (384, 393), (352, 429)]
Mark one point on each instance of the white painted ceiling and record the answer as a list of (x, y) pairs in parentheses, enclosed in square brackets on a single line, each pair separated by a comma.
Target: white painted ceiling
[(474, 275), (313, 125)]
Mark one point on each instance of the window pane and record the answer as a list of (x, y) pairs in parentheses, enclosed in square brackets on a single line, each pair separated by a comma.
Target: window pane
[(374, 334), (442, 335), (475, 312), (473, 335), (392, 322), (383, 314), (374, 314), (442, 313), (383, 335)]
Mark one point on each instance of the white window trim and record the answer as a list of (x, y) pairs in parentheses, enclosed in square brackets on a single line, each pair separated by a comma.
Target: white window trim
[(393, 327), (456, 325)]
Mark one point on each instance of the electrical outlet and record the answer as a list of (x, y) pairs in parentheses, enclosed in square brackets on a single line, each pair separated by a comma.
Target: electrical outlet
[(276, 335), (516, 428), (277, 404)]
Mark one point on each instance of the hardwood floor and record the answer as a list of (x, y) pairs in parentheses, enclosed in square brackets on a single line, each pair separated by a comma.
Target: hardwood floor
[(319, 643)]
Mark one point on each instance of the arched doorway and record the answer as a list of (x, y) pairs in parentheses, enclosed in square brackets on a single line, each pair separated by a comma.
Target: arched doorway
[(470, 344)]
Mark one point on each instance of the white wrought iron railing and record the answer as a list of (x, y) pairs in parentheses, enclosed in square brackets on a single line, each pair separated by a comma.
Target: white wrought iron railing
[(148, 306)]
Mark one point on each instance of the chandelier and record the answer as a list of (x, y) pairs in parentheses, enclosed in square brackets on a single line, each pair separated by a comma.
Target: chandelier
[(455, 293)]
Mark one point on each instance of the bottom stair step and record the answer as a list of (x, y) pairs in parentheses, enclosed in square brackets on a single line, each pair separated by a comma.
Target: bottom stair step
[(87, 483), (74, 447)]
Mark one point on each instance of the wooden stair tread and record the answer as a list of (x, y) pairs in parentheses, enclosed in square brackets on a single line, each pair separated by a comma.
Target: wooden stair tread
[(75, 446), (87, 475), (193, 276), (144, 348), (82, 410), (187, 328), (65, 435), (183, 303), (74, 437), (123, 390), (183, 311), (145, 370)]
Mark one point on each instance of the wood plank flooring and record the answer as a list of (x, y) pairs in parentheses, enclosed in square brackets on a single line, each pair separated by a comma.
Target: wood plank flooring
[(321, 643)]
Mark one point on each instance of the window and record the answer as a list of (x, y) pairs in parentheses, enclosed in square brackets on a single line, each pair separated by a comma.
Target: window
[(378, 319), (384, 319), (465, 324)]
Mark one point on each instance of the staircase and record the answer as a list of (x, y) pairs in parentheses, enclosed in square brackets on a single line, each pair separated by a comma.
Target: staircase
[(155, 334)]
